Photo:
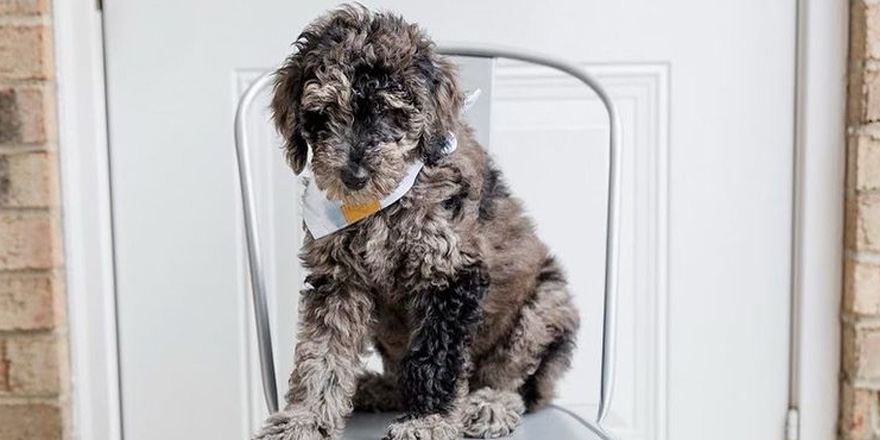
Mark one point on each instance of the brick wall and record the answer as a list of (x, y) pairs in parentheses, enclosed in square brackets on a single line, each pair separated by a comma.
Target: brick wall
[(860, 388), (33, 360)]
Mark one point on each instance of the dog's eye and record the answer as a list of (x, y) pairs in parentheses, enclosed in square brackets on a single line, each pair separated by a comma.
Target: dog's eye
[(314, 120)]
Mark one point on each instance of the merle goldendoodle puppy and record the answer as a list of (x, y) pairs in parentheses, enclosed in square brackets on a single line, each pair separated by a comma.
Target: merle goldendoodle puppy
[(468, 310)]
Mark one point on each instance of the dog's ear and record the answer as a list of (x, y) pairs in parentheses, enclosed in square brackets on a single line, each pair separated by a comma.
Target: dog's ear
[(285, 111), (445, 100)]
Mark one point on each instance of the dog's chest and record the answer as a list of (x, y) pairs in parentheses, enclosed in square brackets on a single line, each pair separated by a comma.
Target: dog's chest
[(392, 251)]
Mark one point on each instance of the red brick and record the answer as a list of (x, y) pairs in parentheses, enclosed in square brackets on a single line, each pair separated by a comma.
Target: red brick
[(25, 115), (27, 301), (872, 29), (35, 113), (869, 354), (872, 95), (24, 7), (27, 241), (858, 31), (27, 180), (858, 408), (30, 421), (25, 51), (861, 357), (855, 76), (862, 222), (855, 102), (861, 288), (864, 167), (32, 365)]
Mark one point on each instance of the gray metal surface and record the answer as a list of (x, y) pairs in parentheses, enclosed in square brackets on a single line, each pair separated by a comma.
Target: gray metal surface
[(258, 290), (548, 424), (252, 237)]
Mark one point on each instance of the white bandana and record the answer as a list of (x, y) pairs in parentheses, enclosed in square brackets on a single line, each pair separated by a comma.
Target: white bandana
[(324, 216)]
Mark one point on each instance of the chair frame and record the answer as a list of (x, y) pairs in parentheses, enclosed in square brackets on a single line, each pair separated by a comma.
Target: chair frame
[(612, 241)]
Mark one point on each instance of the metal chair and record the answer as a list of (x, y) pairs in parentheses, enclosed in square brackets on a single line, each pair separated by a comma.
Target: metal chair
[(555, 422)]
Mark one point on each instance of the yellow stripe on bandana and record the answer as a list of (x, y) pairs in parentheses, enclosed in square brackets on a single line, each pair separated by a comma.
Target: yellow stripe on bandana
[(354, 213)]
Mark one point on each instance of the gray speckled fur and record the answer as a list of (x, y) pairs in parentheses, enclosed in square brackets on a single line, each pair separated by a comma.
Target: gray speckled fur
[(491, 413), (363, 279)]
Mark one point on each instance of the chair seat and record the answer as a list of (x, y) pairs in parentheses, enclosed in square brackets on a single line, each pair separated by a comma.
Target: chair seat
[(549, 423)]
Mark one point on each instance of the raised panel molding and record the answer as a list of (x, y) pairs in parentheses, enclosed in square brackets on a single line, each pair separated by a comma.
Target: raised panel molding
[(642, 92)]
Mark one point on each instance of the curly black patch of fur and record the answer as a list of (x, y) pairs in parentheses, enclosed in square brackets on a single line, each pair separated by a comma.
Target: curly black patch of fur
[(550, 272), (448, 317), (372, 122), (435, 148), (493, 189), (317, 281), (455, 203)]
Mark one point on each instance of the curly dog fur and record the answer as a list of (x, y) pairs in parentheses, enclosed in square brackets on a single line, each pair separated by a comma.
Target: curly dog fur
[(450, 285)]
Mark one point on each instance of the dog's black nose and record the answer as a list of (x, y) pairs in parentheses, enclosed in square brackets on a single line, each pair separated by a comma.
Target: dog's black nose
[(354, 177)]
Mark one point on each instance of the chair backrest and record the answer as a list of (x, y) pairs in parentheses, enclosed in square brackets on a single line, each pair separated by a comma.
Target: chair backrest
[(252, 236)]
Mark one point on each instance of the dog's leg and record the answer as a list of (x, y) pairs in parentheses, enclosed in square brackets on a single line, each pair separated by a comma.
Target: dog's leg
[(333, 328), (538, 348), (519, 374), (433, 375)]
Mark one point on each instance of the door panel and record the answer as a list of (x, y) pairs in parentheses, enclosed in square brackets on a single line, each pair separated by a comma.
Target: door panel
[(704, 306)]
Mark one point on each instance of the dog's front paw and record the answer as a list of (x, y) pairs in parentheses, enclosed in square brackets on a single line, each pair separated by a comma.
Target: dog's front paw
[(432, 427), (290, 424), (491, 414)]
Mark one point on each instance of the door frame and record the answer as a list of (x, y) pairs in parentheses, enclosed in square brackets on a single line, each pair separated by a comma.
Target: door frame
[(84, 167), (817, 239), (85, 177)]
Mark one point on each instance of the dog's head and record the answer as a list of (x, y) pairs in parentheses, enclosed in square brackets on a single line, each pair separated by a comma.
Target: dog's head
[(368, 93)]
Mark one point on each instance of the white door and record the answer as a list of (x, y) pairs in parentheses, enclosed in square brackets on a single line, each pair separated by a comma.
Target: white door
[(705, 91)]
